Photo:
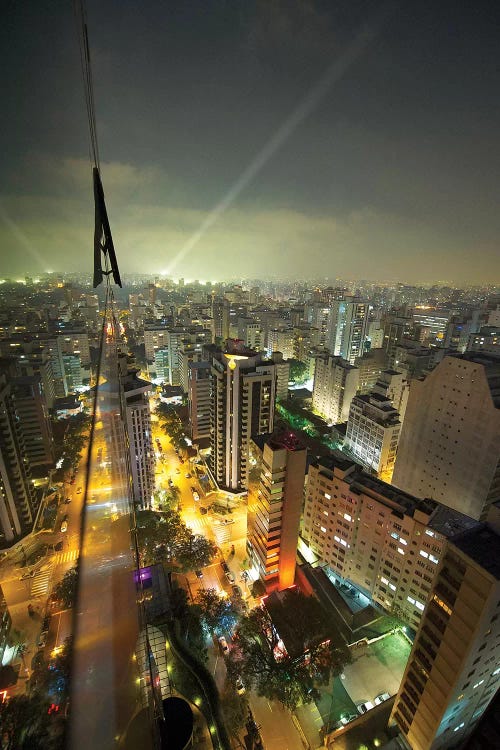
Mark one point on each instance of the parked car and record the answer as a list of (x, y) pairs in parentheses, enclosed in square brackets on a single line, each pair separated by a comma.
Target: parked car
[(64, 525), (381, 698), (240, 688), (67, 501), (230, 577), (79, 490), (188, 475), (236, 590), (203, 511), (347, 718), (198, 573), (364, 707), (223, 645), (224, 566)]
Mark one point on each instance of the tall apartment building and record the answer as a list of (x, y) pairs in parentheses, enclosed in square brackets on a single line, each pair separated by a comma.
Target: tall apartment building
[(155, 338), (199, 402), (335, 385), (386, 542), (449, 447), (17, 498), (347, 328), (33, 358), (220, 319), (187, 354), (243, 389), (282, 375), (396, 388), (32, 413), (453, 671), (273, 527), (280, 340), (372, 434), (251, 333), (137, 418), (486, 340)]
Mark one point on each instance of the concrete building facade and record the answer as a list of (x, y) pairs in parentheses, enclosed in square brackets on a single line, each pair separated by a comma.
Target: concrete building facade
[(386, 542), (335, 385), (449, 447), (453, 671)]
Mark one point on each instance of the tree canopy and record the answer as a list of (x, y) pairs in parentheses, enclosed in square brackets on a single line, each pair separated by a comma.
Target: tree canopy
[(65, 590), (287, 670), (217, 612), (166, 538)]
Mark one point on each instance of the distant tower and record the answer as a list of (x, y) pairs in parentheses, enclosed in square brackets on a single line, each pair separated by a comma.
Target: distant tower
[(273, 528), (220, 319)]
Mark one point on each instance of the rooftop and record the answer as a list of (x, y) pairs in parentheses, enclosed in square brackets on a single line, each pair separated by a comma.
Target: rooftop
[(481, 544)]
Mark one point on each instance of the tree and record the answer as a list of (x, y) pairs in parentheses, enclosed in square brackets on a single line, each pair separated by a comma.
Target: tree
[(288, 673), (298, 371), (217, 612), (195, 553), (65, 590), (234, 709)]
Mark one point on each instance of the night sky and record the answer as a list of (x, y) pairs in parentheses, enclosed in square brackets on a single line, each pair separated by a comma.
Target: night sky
[(286, 138)]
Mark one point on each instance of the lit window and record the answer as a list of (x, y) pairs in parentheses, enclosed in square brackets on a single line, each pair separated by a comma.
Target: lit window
[(392, 586), (424, 554), (403, 541), (328, 497), (441, 604), (384, 580), (459, 727), (433, 559), (401, 551), (420, 606), (347, 517), (477, 684), (429, 532), (323, 529), (412, 601)]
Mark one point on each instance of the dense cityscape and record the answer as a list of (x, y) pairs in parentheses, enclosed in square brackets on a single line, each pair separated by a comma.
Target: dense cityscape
[(310, 477), (249, 376)]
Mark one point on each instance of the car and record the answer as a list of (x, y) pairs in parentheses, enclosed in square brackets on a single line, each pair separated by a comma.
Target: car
[(225, 521), (67, 501), (64, 526), (381, 698), (364, 707), (79, 490), (72, 480), (223, 645), (236, 590), (187, 475), (230, 577), (198, 573), (240, 688), (58, 547), (224, 566), (42, 640), (347, 718), (203, 511)]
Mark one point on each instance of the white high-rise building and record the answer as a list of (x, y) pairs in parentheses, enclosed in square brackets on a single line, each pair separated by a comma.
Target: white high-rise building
[(347, 328), (373, 432), (199, 402), (335, 385)]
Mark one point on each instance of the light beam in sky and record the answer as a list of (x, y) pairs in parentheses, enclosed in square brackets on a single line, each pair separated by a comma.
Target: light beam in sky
[(21, 237), (307, 105)]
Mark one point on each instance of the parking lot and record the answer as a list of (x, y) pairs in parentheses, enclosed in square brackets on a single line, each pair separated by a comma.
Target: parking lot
[(378, 669)]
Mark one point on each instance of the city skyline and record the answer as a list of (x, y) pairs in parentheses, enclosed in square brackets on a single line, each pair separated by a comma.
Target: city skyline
[(348, 141)]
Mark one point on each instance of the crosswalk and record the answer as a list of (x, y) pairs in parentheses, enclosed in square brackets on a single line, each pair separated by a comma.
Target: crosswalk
[(40, 582), (70, 556), (198, 525)]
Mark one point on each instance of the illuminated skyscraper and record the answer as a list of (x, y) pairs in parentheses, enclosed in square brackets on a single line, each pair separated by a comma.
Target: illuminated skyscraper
[(243, 395), (273, 528), (335, 385)]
